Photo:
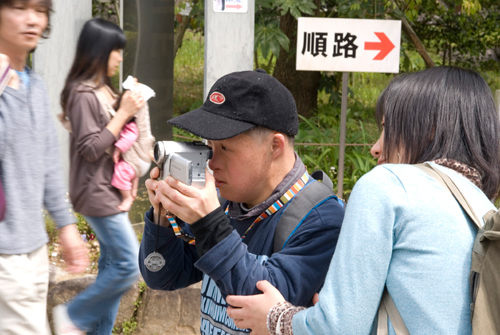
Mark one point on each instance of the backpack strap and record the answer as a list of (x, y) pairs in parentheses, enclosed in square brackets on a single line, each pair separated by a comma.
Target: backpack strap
[(311, 196), (449, 184), (386, 309)]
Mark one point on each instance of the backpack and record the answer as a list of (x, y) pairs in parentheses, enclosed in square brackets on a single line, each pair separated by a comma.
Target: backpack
[(304, 202), (484, 278)]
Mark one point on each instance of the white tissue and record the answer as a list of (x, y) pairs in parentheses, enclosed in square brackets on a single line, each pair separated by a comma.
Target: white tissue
[(146, 91)]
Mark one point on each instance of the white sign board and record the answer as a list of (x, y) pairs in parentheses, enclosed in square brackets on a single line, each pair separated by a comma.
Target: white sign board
[(348, 45), (230, 6)]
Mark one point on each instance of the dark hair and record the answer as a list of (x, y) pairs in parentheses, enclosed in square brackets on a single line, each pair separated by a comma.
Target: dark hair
[(96, 42), (443, 112), (45, 3)]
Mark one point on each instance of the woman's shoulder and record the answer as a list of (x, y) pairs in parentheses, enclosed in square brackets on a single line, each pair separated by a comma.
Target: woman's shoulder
[(81, 92), (83, 87)]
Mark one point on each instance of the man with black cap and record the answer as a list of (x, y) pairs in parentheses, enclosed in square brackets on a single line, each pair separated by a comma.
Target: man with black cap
[(249, 120)]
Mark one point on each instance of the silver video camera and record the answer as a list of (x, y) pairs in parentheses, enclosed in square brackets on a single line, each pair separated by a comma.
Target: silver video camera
[(184, 161)]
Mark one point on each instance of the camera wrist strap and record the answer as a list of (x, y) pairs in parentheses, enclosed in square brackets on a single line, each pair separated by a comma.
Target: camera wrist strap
[(282, 201)]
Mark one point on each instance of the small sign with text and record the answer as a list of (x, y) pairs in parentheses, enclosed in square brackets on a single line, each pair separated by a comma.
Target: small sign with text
[(348, 45)]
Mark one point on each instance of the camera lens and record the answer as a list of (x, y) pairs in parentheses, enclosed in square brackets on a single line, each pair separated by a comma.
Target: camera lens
[(158, 152)]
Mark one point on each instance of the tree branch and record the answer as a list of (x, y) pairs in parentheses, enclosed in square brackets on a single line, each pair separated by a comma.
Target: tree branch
[(416, 42)]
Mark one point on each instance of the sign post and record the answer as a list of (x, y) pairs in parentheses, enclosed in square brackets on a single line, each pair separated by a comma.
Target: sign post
[(229, 38), (347, 45)]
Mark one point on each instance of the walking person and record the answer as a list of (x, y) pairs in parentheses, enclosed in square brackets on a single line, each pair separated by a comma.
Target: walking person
[(31, 175), (403, 230), (95, 126)]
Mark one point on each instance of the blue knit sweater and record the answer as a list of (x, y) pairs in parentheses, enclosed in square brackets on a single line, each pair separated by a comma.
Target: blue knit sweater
[(402, 228), (30, 167)]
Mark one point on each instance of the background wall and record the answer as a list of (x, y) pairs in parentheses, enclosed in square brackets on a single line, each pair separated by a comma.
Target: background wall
[(54, 56)]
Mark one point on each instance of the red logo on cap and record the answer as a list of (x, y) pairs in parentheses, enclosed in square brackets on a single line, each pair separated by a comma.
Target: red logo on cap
[(217, 98)]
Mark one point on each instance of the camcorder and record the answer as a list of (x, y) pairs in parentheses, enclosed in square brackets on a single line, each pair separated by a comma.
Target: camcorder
[(184, 161)]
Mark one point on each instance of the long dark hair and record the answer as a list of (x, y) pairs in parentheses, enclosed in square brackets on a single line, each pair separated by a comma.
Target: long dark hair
[(443, 112), (45, 3), (96, 42)]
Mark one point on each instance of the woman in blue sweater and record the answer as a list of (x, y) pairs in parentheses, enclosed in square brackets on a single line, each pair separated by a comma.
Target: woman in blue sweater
[(402, 230)]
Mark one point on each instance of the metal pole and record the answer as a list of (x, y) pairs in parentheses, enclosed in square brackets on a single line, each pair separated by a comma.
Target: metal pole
[(343, 121)]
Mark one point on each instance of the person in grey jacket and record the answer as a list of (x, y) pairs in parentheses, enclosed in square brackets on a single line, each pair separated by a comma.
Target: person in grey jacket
[(31, 176)]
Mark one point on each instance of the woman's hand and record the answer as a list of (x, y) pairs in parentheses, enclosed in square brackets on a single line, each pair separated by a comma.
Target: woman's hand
[(131, 102), (116, 155), (251, 311)]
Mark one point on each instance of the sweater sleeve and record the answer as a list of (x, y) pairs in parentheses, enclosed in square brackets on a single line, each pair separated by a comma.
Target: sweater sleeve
[(297, 271), (84, 113), (3, 134), (128, 135), (356, 278), (55, 200), (179, 270)]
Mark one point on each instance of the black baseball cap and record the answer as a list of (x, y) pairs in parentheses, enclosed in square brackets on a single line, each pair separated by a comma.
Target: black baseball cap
[(240, 101)]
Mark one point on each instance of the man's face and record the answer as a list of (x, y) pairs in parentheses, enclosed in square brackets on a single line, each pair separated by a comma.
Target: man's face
[(241, 167), (22, 25)]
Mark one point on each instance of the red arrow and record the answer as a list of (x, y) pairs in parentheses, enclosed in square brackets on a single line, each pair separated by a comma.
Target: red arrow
[(238, 6), (385, 46)]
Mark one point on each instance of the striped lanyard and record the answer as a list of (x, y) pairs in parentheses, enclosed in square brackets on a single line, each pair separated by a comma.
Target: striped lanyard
[(282, 201)]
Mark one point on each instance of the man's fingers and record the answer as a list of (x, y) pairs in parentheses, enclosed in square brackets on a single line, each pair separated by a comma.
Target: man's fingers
[(170, 198), (242, 324), (155, 173), (264, 286), (182, 188), (315, 298), (237, 301)]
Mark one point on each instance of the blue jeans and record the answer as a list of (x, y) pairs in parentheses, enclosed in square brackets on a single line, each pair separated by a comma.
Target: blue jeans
[(94, 310)]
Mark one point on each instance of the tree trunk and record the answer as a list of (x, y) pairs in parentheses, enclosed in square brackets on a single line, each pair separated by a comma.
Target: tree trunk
[(303, 84), (179, 34)]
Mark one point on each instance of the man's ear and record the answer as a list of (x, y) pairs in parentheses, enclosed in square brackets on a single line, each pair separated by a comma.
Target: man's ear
[(279, 143)]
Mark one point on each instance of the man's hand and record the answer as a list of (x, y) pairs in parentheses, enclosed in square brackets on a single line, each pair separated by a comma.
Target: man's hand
[(74, 250), (186, 202), (11, 76), (251, 311), (151, 186)]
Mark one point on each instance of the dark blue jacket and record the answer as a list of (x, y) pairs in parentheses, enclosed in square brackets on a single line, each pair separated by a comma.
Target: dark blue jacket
[(234, 267)]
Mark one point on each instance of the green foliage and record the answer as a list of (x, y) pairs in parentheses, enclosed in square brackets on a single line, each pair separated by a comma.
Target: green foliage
[(84, 228), (268, 36), (188, 73), (128, 327), (107, 10), (295, 7), (50, 227)]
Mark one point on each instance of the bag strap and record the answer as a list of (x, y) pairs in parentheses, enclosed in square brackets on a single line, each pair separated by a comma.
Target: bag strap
[(312, 195), (449, 184), (387, 309)]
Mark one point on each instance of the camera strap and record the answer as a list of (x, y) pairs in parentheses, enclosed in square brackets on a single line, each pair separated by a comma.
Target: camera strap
[(282, 201), (155, 261)]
